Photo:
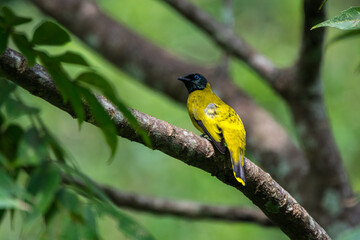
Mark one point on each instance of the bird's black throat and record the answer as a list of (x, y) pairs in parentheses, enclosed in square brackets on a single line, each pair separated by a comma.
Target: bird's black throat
[(194, 81), (192, 87)]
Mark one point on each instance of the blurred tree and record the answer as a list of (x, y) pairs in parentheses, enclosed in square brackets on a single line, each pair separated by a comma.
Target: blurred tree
[(39, 178)]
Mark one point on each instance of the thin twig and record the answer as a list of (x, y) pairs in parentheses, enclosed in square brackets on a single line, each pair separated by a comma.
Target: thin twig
[(185, 209), (227, 40)]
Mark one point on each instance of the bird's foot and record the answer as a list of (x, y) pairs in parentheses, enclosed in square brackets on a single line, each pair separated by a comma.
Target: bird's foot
[(204, 135)]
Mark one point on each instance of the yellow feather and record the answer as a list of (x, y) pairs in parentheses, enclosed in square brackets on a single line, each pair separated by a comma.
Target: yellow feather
[(221, 122)]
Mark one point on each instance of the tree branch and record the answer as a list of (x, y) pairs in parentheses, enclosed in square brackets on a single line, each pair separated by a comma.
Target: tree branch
[(300, 86), (187, 209), (226, 39), (261, 189), (268, 141), (327, 177), (311, 51)]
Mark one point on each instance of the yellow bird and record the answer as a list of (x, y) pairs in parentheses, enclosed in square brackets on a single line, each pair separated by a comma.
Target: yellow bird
[(211, 116)]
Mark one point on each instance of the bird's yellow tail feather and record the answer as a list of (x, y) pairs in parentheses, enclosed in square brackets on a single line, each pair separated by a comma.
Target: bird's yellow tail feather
[(237, 161)]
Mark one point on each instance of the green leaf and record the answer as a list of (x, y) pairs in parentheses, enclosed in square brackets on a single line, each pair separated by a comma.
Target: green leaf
[(90, 223), (72, 57), (348, 19), (4, 36), (2, 215), (2, 120), (56, 147), (129, 227), (104, 206), (102, 118), (15, 108), (9, 189), (49, 33), (32, 149), (3, 160), (60, 77), (6, 88), (2, 22), (91, 190), (95, 80), (9, 141), (31, 225), (7, 185), (78, 212), (68, 90), (43, 184), (10, 19), (68, 200), (13, 203), (25, 47), (51, 212), (70, 231)]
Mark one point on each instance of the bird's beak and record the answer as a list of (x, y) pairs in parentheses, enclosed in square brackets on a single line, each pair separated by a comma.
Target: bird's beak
[(184, 79)]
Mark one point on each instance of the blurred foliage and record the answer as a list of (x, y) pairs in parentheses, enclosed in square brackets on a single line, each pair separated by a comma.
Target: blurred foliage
[(353, 234), (343, 36), (142, 170), (50, 34), (34, 152)]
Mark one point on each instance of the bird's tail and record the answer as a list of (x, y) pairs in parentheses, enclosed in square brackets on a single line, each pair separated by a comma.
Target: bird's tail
[(237, 160)]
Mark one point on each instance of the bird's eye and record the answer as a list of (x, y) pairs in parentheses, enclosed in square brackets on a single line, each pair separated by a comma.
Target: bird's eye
[(196, 77)]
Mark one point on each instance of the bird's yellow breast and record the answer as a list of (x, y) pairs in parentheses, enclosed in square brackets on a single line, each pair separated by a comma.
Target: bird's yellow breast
[(219, 119)]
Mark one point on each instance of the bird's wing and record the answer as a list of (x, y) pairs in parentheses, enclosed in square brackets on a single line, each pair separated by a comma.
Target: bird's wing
[(208, 121), (219, 145)]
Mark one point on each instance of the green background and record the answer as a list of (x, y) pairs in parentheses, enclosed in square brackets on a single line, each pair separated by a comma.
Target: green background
[(274, 28)]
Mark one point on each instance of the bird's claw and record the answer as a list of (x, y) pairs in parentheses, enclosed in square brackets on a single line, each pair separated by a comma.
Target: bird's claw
[(204, 135)]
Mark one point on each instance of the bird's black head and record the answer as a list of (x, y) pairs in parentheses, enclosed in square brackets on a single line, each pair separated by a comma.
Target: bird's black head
[(194, 81)]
